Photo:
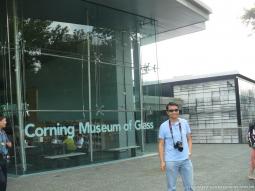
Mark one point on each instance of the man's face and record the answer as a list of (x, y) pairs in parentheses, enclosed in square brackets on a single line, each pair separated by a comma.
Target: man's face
[(3, 123), (173, 112)]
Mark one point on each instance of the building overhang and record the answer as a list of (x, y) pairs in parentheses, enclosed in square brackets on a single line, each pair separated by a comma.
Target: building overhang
[(173, 17)]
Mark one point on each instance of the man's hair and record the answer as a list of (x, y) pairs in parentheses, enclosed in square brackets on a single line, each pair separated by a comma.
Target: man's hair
[(171, 104), (2, 116)]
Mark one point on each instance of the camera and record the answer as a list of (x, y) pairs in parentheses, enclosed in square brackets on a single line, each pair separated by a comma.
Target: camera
[(178, 145)]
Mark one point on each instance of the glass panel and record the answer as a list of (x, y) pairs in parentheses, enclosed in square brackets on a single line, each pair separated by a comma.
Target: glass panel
[(51, 141), (8, 97), (55, 70), (114, 75), (152, 117), (104, 87), (152, 103), (247, 101), (115, 135)]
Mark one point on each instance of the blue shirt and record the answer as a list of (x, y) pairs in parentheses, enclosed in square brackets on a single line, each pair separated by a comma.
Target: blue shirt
[(3, 140), (172, 154)]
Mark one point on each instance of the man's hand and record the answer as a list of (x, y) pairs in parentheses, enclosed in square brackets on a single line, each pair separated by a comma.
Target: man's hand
[(9, 144), (161, 154), (190, 156), (163, 166)]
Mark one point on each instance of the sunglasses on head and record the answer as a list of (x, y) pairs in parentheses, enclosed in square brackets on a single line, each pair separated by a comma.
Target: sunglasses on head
[(172, 110)]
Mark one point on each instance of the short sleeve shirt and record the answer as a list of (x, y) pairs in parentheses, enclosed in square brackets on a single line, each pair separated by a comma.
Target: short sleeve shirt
[(3, 140), (172, 154)]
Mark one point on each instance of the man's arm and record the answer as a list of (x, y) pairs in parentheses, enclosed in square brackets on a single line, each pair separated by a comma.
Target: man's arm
[(189, 138), (8, 142), (161, 154)]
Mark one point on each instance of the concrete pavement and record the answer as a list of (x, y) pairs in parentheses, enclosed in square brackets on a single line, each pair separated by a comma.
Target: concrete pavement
[(216, 167)]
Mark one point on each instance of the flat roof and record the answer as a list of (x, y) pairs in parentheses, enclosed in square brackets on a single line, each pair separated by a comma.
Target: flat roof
[(187, 79), (173, 17)]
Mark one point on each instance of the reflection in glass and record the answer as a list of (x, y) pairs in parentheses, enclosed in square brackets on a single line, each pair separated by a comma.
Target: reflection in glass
[(77, 69)]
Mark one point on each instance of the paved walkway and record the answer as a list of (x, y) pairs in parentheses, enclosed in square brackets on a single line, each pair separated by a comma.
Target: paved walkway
[(217, 167)]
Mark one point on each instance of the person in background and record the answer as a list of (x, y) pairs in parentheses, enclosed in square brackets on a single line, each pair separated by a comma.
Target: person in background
[(4, 143), (175, 147), (251, 141), (79, 142), (69, 142)]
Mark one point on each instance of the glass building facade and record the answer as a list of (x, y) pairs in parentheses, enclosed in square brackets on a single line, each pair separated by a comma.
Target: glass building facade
[(211, 110), (247, 100), (78, 67), (218, 108)]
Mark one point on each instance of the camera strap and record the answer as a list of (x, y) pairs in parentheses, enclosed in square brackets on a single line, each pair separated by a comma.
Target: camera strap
[(171, 130)]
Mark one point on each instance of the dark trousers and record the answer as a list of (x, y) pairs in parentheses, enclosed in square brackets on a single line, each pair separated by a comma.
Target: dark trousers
[(3, 166)]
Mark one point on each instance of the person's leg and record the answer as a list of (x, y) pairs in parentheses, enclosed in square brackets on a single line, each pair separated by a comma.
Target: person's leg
[(252, 164), (4, 167), (186, 171), (4, 181), (171, 175)]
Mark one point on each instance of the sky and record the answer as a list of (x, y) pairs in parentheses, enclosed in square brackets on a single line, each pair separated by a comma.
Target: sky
[(225, 45)]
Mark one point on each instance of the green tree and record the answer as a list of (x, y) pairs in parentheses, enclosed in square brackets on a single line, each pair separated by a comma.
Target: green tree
[(249, 17)]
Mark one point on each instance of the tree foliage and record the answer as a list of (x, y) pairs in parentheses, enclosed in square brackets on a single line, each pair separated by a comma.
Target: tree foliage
[(249, 17)]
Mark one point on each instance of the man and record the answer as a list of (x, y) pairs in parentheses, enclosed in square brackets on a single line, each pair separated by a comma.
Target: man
[(4, 143), (175, 147)]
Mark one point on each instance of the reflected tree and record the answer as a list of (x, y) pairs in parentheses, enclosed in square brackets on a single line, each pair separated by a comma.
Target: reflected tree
[(49, 37)]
